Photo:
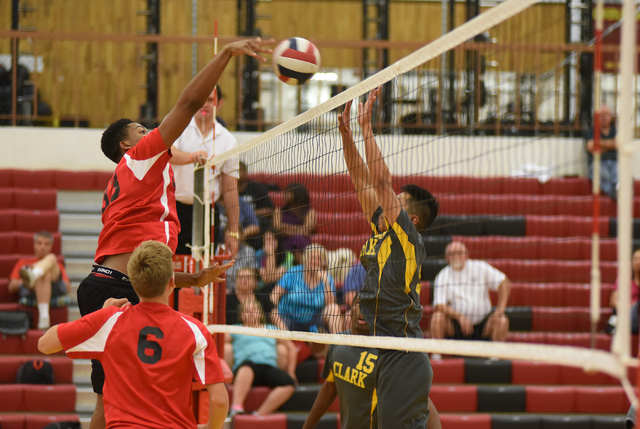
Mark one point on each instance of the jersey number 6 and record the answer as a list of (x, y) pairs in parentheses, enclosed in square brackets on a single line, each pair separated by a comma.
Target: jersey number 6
[(145, 344)]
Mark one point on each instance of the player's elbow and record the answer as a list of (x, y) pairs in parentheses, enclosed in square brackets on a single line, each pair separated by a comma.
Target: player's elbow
[(219, 399)]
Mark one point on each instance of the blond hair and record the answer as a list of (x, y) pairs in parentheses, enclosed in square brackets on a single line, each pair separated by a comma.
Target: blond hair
[(150, 269)]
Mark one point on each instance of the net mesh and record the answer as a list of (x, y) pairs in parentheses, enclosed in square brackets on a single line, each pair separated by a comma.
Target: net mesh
[(503, 192)]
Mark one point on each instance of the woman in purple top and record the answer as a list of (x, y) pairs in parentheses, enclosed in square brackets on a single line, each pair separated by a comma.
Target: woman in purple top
[(296, 220)]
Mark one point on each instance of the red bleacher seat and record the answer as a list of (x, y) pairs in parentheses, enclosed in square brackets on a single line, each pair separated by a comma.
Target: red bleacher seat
[(6, 264), (6, 198), (37, 421), (450, 371), (50, 398), (8, 367), (35, 199), (12, 421), (581, 339), (7, 220), (11, 397), (560, 319), (334, 241), (76, 180), (574, 375), (342, 223), (33, 179), (548, 270), (272, 421), (255, 398), (568, 186), (468, 421), (9, 306), (455, 398), (9, 243), (37, 220), (6, 178), (564, 226), (425, 293), (601, 400), (523, 372), (550, 399)]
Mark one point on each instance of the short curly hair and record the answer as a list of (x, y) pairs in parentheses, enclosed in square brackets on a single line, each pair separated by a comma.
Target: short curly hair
[(422, 204), (111, 138)]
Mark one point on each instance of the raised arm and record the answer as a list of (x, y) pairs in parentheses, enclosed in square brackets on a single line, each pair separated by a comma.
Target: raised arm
[(197, 91), (358, 170), (380, 174)]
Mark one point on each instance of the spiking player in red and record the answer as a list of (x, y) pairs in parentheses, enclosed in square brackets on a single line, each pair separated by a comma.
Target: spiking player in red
[(139, 203)]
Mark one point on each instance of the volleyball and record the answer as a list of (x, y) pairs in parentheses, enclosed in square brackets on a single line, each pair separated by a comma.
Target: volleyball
[(295, 60)]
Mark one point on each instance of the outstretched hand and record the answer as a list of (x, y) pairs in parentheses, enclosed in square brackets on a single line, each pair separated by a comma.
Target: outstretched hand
[(344, 118), (251, 47), (212, 274), (366, 111)]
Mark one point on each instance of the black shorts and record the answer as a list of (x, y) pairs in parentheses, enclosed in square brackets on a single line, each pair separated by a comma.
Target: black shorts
[(403, 383), (478, 330), (93, 291), (267, 375)]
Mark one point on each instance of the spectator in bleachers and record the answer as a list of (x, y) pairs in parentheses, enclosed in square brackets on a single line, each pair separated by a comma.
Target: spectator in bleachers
[(635, 294), (304, 298), (273, 262), (353, 282), (462, 308), (257, 194), (245, 258), (41, 280), (296, 220), (609, 150), (246, 284), (255, 363), (340, 262)]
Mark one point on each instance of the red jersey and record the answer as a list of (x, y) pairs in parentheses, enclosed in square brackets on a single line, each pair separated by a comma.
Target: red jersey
[(15, 274), (150, 354), (140, 201)]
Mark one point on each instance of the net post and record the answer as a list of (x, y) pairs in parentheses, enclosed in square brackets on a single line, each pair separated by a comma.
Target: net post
[(621, 343), (595, 237)]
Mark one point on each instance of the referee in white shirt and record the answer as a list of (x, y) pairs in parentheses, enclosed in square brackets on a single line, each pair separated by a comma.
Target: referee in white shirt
[(195, 145), (462, 308)]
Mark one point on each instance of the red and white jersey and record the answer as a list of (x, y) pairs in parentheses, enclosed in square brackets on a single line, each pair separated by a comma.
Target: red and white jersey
[(150, 354), (139, 203)]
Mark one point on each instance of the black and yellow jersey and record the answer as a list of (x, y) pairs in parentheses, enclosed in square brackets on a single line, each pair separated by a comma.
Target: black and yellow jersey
[(390, 297), (352, 370)]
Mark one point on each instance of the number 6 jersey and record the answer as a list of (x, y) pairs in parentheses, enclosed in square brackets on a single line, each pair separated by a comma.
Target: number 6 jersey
[(150, 354), (139, 203)]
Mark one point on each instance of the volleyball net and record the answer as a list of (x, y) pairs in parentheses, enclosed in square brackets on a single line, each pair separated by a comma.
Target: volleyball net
[(458, 122)]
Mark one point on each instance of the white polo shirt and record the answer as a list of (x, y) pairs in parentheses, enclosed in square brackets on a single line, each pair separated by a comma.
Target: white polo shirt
[(467, 291), (192, 140)]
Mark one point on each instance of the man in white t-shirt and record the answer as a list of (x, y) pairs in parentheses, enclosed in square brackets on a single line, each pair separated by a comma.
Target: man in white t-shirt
[(195, 145), (462, 308)]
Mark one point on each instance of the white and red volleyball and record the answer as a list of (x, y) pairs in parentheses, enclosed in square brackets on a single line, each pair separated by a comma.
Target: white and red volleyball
[(295, 60)]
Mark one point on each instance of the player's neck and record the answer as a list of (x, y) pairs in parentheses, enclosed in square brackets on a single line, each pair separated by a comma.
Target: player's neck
[(162, 299)]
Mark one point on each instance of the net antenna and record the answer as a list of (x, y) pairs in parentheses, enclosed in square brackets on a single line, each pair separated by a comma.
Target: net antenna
[(595, 236), (614, 364), (202, 250)]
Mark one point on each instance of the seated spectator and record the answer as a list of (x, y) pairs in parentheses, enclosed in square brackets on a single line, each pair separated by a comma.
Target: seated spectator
[(246, 281), (635, 294), (352, 285), (340, 262), (246, 258), (41, 280), (255, 363), (353, 282), (304, 298), (462, 308), (257, 194), (609, 153), (296, 220), (273, 262)]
